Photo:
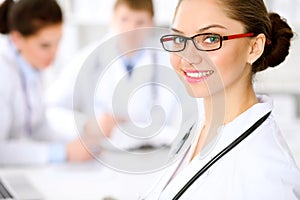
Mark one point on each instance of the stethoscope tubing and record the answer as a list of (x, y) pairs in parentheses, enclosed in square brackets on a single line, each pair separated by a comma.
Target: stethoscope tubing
[(220, 155)]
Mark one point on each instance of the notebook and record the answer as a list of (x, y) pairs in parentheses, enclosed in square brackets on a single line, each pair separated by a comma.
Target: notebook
[(18, 188)]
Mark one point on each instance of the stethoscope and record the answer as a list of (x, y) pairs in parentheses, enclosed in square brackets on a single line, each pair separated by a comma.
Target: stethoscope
[(219, 155), (28, 112)]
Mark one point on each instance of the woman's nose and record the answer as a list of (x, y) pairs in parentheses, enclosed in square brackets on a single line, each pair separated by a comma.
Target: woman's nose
[(191, 54)]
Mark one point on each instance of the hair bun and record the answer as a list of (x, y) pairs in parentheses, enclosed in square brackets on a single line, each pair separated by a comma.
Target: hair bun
[(281, 35), (4, 10)]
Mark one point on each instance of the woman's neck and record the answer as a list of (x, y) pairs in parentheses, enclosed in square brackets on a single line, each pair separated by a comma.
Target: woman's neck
[(221, 109), (227, 106)]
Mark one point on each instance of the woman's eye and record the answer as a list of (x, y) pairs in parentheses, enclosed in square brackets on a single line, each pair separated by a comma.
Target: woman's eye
[(179, 40), (211, 39)]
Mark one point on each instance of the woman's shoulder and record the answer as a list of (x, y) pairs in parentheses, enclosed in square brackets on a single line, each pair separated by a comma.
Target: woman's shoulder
[(7, 56), (268, 142), (264, 162), (8, 73), (264, 143), (266, 154)]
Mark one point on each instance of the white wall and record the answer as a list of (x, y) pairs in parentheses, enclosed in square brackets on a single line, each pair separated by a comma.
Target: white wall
[(99, 11), (284, 78)]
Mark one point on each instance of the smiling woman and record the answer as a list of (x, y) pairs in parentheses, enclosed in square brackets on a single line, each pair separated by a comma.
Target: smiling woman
[(238, 152)]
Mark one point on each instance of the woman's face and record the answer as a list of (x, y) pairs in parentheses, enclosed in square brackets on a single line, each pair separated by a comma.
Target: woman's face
[(207, 73), (40, 49)]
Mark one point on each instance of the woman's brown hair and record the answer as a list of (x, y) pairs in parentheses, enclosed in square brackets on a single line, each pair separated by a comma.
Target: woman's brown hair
[(28, 16), (256, 19)]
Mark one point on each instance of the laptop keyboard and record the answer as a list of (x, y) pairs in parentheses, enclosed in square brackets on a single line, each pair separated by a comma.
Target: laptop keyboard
[(4, 193)]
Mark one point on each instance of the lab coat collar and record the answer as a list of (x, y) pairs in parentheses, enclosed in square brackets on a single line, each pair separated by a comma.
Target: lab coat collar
[(28, 71), (245, 120), (258, 110), (133, 60), (229, 132)]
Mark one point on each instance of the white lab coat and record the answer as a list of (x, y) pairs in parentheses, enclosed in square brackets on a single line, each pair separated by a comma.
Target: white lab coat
[(88, 86), (16, 145), (260, 167), (115, 82)]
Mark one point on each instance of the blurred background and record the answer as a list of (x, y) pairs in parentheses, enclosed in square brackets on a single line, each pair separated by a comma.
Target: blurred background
[(88, 21)]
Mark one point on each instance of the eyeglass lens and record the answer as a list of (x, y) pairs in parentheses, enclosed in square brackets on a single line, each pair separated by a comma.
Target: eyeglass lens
[(204, 42)]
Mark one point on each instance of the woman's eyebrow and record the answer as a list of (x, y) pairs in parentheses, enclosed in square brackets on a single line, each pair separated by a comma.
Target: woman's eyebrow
[(201, 30), (211, 26), (177, 31)]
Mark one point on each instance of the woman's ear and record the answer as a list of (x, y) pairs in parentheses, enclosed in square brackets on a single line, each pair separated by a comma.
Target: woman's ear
[(257, 48)]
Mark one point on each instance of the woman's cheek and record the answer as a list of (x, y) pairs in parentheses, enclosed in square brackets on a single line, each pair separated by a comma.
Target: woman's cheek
[(175, 60)]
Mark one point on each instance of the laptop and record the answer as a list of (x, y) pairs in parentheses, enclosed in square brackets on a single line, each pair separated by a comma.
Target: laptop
[(18, 187)]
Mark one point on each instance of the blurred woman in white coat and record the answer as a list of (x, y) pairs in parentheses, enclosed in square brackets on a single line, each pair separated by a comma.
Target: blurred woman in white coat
[(33, 29)]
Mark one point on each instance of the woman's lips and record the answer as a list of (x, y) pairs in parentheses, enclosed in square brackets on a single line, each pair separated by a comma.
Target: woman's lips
[(195, 76)]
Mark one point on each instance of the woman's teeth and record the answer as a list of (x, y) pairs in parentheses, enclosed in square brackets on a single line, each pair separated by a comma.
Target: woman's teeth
[(199, 74)]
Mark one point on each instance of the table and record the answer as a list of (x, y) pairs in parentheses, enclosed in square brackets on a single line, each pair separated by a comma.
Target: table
[(85, 181)]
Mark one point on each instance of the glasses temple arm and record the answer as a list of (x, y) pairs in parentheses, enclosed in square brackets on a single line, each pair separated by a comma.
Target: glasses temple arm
[(230, 37)]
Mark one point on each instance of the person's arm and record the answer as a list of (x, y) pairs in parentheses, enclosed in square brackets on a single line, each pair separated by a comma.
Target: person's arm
[(30, 152), (64, 146), (19, 151), (17, 148), (24, 152)]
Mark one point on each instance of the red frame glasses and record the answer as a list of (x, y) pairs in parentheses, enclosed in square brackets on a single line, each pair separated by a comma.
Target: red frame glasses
[(167, 38)]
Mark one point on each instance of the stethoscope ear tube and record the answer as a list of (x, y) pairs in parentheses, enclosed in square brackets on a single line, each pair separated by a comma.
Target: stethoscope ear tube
[(220, 155)]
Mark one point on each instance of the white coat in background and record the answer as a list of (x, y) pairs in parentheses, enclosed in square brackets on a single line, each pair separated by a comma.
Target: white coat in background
[(88, 85), (17, 146)]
